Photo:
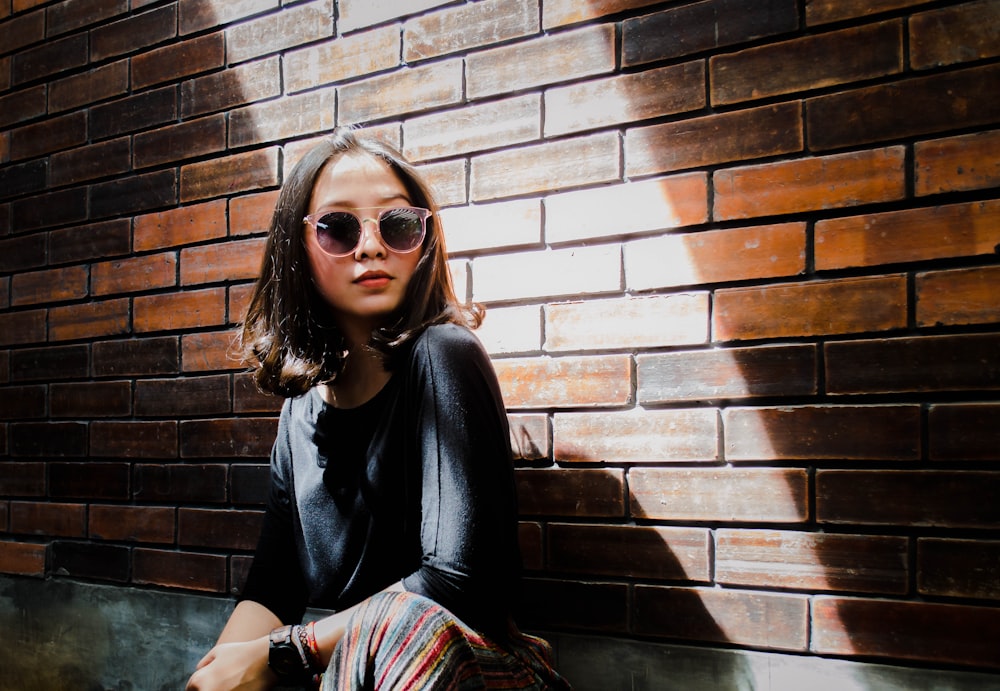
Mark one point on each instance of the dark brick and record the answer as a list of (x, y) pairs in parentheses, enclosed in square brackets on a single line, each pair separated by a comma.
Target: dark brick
[(24, 252), (50, 209), (23, 104), (576, 492), (250, 483), (170, 63), (76, 14), (225, 529), (702, 26), (131, 523), (179, 483), (20, 31), (147, 109), (25, 178), (177, 142), (132, 440), (547, 604), (100, 160), (187, 396), (48, 439), (55, 363), (965, 432), (91, 399), (50, 58), (22, 479), (87, 560), (239, 437), (48, 518), (951, 35), (138, 31), (826, 11), (95, 241), (22, 402), (22, 327), (187, 570), (958, 568), (89, 87), (239, 568), (46, 136), (137, 356), (247, 398), (89, 480), (233, 87), (134, 194), (907, 108)]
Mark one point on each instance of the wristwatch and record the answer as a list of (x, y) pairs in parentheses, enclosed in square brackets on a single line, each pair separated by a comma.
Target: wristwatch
[(285, 657)]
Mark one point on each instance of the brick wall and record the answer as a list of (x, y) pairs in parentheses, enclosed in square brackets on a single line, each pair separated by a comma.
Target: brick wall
[(741, 271)]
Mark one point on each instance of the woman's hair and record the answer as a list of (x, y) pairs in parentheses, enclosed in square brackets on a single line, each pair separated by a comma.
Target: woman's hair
[(288, 335)]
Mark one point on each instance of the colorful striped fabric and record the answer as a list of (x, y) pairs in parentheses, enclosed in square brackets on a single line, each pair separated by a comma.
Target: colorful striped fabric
[(403, 641)]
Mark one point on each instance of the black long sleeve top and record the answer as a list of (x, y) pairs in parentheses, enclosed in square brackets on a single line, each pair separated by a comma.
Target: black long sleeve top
[(415, 485)]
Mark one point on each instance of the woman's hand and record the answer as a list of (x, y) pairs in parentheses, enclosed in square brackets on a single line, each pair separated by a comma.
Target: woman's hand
[(234, 666)]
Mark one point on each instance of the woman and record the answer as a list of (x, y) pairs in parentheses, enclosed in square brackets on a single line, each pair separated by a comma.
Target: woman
[(392, 499)]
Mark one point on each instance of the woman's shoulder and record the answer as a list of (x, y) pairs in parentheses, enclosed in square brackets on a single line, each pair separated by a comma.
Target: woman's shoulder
[(444, 340)]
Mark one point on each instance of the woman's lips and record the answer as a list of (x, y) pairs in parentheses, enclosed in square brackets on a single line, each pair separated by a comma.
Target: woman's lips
[(373, 279)]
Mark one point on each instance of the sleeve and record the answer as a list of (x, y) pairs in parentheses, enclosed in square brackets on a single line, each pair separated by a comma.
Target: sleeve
[(275, 579), (468, 532)]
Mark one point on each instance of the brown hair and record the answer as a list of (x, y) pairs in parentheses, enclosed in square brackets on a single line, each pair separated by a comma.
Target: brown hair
[(288, 336)]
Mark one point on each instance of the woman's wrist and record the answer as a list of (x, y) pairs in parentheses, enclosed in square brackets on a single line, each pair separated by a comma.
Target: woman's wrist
[(293, 654)]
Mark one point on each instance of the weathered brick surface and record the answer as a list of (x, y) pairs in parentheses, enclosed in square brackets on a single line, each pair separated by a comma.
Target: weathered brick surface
[(959, 568), (965, 432), (652, 436), (954, 34), (955, 164), (959, 296), (188, 570), (178, 60), (179, 311)]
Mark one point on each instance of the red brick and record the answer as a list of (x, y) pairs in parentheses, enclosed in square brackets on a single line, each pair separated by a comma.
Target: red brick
[(231, 260), (247, 398), (196, 15), (271, 33), (210, 351), (23, 402), (883, 432), (467, 27), (803, 64), (50, 58), (731, 373), (134, 440), (186, 225), (911, 235), (49, 519), (22, 558), (961, 296), (921, 631), (242, 172), (51, 285), (187, 570), (218, 528), (637, 437), (22, 479), (189, 483), (239, 300), (943, 499), (529, 436), (89, 480), (134, 194), (136, 274), (954, 34), (182, 397), (957, 164), (93, 241), (347, 57), (251, 213), (228, 438), (93, 86), (408, 90), (179, 311), (567, 382), (178, 60), (91, 399), (67, 16), (966, 432), (23, 104), (701, 26), (283, 118), (958, 568), (907, 108), (925, 363), (38, 439), (136, 357), (811, 561), (131, 523), (826, 11), (562, 12), (137, 31), (52, 134), (100, 160), (630, 551), (253, 81), (22, 327), (810, 184), (548, 59), (206, 135), (764, 620), (550, 604), (759, 495), (579, 492), (89, 320), (18, 32)]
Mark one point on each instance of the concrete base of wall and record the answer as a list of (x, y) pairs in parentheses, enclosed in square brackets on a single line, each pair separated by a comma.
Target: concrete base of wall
[(57, 634)]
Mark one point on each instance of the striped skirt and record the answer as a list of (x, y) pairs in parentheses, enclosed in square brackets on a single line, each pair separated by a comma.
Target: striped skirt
[(403, 641)]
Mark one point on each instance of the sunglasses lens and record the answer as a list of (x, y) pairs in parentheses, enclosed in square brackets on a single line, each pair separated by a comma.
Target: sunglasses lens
[(338, 232), (402, 229)]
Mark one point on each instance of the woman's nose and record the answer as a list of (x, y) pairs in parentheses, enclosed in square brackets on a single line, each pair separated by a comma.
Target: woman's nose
[(370, 244)]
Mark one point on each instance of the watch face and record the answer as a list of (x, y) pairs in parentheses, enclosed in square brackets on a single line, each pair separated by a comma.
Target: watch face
[(283, 657)]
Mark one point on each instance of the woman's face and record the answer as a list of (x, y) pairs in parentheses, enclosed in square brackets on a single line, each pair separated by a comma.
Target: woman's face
[(368, 285)]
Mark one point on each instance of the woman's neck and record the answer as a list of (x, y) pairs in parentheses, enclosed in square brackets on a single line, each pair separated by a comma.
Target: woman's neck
[(363, 376)]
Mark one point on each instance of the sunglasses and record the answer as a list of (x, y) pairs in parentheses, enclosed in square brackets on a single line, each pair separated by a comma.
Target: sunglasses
[(339, 232)]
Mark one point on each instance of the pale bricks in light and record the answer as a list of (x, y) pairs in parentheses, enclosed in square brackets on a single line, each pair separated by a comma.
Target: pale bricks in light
[(861, 433), (136, 274), (489, 125), (562, 12), (50, 285), (223, 261), (356, 14), (343, 58), (408, 90), (727, 374), (583, 492), (639, 436), (178, 311), (718, 138), (468, 26), (89, 320), (630, 551), (547, 274), (625, 209), (741, 617), (458, 270), (628, 323), (548, 59), (941, 232), (757, 495), (303, 23), (625, 98), (247, 83), (850, 305), (546, 167), (181, 226), (960, 296), (448, 180), (512, 329), (803, 64), (492, 226), (958, 568), (242, 172), (957, 164), (196, 15), (251, 213), (812, 561), (954, 34), (530, 436), (810, 184), (282, 118), (566, 382)]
